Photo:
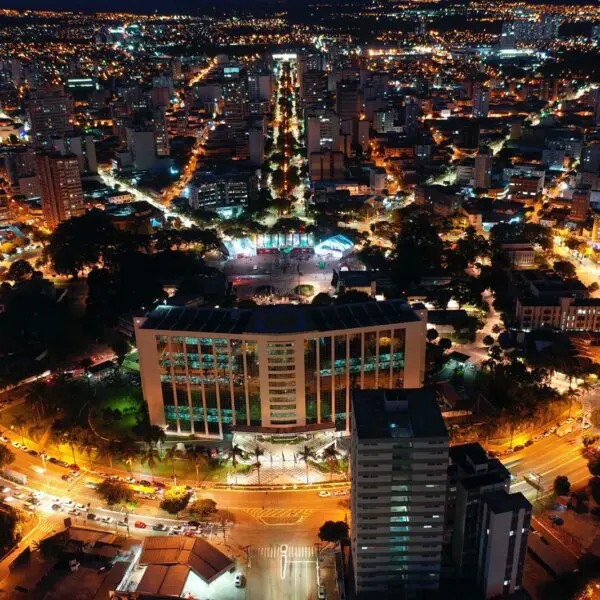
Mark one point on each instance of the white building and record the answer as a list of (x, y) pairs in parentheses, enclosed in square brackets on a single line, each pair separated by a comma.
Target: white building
[(210, 372)]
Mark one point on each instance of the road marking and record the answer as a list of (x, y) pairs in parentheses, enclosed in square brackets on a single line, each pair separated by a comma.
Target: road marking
[(274, 551), (279, 516)]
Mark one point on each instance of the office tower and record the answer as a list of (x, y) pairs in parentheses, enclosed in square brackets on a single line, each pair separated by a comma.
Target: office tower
[(160, 128), (119, 114), (140, 142), (468, 136), (348, 100), (597, 108), (308, 61), (256, 146), (516, 129), (483, 169), (60, 185), (235, 101), (160, 97), (471, 476), (50, 114), (82, 146), (313, 90), (260, 86), (505, 523), (481, 99), (411, 116), (372, 345), (326, 165), (322, 131), (176, 71), (580, 205), (399, 472)]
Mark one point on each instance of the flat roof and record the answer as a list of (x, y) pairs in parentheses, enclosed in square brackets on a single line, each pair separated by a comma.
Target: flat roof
[(501, 502), (281, 318), (388, 414)]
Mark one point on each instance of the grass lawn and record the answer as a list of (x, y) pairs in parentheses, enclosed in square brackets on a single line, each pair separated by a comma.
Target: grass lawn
[(125, 399)]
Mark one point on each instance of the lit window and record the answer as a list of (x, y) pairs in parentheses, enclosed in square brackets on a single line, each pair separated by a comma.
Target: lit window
[(364, 547), (506, 582), (512, 533)]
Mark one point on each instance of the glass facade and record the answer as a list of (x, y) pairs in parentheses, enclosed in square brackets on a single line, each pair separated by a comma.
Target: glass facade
[(211, 385)]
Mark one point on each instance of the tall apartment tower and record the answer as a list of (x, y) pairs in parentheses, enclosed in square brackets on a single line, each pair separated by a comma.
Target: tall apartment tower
[(411, 116), (580, 205), (471, 475), (481, 101), (60, 184), (483, 169), (505, 520), (348, 100), (50, 114), (160, 128), (399, 475), (235, 103), (313, 89)]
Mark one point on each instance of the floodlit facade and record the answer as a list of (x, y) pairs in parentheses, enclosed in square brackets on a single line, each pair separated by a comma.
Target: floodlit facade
[(210, 372)]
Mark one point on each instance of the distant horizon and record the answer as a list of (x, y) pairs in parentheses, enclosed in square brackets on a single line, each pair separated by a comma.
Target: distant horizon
[(191, 7)]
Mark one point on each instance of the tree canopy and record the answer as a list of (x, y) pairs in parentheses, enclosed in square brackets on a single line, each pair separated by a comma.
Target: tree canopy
[(333, 531)]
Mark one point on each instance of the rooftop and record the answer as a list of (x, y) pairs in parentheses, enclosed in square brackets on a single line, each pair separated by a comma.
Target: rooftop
[(501, 502), (386, 414), (280, 318)]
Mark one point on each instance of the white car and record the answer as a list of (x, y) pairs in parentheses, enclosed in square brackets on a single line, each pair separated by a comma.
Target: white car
[(238, 580), (107, 520), (324, 494), (322, 593)]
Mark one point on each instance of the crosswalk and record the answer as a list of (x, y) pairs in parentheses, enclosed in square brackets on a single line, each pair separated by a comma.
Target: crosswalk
[(274, 551), (279, 516)]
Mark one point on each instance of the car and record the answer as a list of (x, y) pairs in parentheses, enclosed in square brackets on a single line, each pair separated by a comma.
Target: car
[(586, 425), (122, 524), (68, 502), (193, 523), (569, 420), (16, 444), (322, 595), (546, 433), (159, 527), (140, 525), (107, 520), (557, 520), (91, 517), (4, 439), (37, 494), (537, 438), (74, 467), (33, 452), (145, 483), (518, 448), (527, 444), (509, 451), (56, 507), (80, 506), (66, 477), (579, 419), (74, 473), (74, 512), (551, 430), (341, 493), (239, 580), (324, 494)]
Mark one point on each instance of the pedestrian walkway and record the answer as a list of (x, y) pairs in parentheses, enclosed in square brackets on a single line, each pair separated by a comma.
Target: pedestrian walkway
[(274, 551)]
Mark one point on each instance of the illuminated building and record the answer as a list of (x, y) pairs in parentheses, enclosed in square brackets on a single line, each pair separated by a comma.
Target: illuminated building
[(235, 102), (60, 185), (313, 90), (82, 147), (398, 497), (322, 131), (260, 86), (348, 100), (481, 100), (483, 169), (580, 205), (50, 113), (411, 116), (326, 165), (212, 372), (161, 132), (225, 192)]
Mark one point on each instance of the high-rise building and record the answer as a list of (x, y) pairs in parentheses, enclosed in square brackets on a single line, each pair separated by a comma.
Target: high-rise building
[(50, 113), (140, 142), (590, 158), (348, 100), (580, 205), (505, 522), (507, 37), (481, 100), (260, 86), (81, 146), (60, 185), (326, 165), (411, 116), (160, 129), (322, 131), (211, 372), (597, 109), (235, 103), (398, 498), (313, 90), (483, 169), (471, 476), (256, 146)]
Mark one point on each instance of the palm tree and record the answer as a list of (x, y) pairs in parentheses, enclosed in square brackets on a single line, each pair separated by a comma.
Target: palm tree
[(257, 451), (234, 453), (129, 455), (306, 454), (18, 424), (35, 397), (87, 444), (107, 449), (331, 455), (172, 454), (36, 431), (150, 456), (200, 460)]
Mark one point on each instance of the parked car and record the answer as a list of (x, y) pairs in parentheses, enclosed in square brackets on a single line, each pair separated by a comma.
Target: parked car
[(518, 448), (322, 593), (140, 525), (324, 494), (159, 527), (91, 517), (56, 507), (239, 580)]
